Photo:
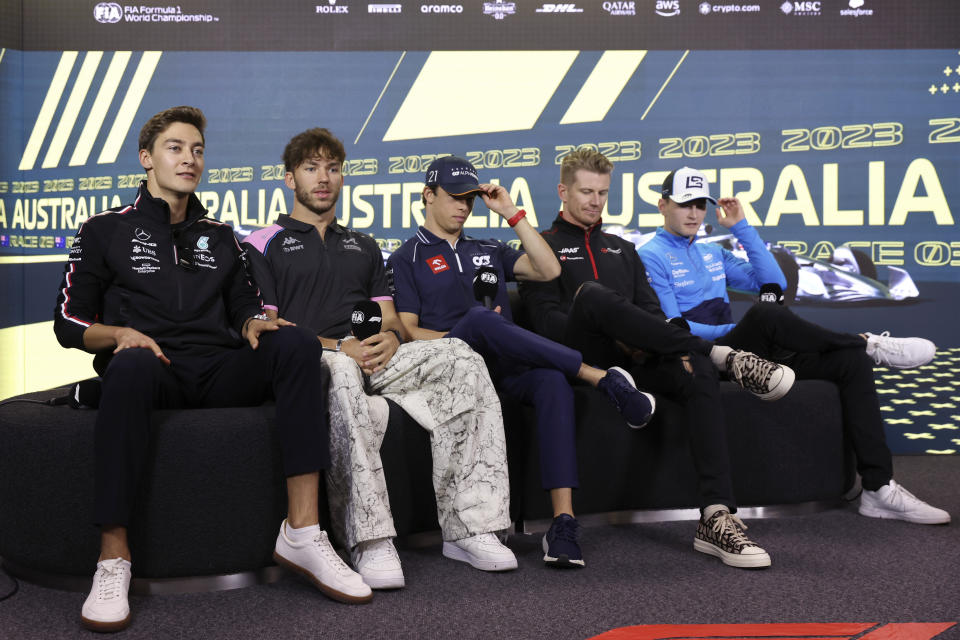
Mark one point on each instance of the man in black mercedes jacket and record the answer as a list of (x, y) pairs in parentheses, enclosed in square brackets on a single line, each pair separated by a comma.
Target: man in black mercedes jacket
[(603, 306), (160, 294)]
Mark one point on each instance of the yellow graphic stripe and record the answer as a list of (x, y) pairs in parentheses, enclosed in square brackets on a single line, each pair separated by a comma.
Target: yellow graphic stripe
[(98, 112), (129, 106), (72, 109), (509, 91), (380, 97), (59, 257), (31, 359), (2, 51), (47, 109), (603, 86), (665, 83)]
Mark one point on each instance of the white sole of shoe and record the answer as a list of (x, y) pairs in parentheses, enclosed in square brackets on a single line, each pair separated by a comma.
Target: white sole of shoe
[(454, 552), (653, 402), (327, 590), (752, 561), (380, 582), (562, 561), (785, 384), (888, 515), (105, 627)]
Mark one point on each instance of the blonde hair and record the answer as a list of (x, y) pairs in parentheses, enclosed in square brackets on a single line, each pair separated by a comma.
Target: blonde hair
[(583, 158)]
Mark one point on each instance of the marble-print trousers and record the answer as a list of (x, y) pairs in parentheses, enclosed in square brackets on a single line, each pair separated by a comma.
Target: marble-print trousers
[(443, 385)]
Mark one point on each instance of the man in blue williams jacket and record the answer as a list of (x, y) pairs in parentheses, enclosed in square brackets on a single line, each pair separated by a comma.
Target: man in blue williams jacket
[(691, 279)]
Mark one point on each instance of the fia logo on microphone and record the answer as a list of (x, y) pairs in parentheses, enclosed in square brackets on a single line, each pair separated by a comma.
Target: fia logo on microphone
[(357, 317), (437, 264)]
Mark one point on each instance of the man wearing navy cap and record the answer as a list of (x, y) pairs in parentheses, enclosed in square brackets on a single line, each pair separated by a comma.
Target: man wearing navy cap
[(434, 293), (691, 278)]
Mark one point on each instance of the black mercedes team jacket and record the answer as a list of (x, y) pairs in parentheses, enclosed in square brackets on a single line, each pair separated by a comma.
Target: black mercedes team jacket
[(184, 285)]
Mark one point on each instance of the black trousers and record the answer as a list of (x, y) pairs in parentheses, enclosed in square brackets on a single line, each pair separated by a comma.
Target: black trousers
[(286, 366), (600, 317), (813, 352)]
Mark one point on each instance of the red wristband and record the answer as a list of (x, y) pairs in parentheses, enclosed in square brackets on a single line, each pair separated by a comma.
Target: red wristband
[(516, 218)]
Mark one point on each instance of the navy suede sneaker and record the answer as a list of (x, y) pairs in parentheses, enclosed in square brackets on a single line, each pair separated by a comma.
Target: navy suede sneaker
[(636, 407), (560, 548)]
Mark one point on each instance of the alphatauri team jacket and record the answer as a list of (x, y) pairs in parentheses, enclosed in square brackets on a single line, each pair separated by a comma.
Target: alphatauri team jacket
[(184, 285), (585, 255)]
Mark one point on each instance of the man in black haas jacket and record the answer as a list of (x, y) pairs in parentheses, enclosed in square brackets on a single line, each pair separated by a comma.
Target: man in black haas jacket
[(160, 294), (603, 306)]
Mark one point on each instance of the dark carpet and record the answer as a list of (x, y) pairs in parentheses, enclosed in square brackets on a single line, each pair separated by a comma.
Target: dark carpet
[(833, 566)]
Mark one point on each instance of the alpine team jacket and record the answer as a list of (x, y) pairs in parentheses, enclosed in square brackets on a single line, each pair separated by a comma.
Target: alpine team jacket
[(691, 278), (184, 285), (585, 255)]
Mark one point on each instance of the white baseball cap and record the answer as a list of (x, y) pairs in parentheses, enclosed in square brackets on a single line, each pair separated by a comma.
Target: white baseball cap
[(686, 184)]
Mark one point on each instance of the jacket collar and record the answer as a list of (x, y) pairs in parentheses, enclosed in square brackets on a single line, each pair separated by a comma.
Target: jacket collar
[(673, 240), (289, 222), (158, 210), (427, 237), (562, 224)]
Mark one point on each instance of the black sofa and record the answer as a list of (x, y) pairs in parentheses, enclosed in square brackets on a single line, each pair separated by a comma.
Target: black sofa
[(213, 499)]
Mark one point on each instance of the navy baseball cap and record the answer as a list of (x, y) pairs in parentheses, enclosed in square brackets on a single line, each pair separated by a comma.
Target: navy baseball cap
[(686, 184), (457, 176)]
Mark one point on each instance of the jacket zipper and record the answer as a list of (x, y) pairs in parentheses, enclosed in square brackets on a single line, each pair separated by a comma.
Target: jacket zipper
[(586, 235)]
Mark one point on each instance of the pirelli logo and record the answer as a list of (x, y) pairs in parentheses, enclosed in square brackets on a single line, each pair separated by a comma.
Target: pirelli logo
[(76, 86)]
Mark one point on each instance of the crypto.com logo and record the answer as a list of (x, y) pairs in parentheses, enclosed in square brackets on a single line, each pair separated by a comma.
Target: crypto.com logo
[(108, 12)]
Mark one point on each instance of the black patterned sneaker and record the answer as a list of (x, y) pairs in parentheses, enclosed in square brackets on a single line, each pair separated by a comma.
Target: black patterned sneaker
[(720, 533), (560, 546), (764, 379)]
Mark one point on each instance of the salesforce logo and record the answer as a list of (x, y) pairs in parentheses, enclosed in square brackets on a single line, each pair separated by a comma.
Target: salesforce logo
[(108, 12)]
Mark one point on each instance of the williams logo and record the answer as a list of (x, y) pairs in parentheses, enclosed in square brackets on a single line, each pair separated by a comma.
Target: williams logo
[(108, 12)]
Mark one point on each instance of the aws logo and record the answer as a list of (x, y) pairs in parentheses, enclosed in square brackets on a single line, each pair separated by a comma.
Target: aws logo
[(76, 86)]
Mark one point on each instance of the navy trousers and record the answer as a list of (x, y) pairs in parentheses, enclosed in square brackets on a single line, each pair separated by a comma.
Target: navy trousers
[(533, 370), (285, 366)]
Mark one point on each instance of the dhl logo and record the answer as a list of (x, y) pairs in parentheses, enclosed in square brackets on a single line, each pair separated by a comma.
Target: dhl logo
[(82, 82)]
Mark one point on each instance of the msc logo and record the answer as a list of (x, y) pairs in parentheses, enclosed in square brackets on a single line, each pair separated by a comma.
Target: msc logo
[(801, 8), (108, 12), (667, 8), (97, 114), (548, 7)]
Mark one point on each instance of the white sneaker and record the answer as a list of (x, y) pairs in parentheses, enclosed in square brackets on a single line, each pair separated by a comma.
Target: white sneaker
[(894, 502), (483, 551), (901, 353), (107, 607), (318, 562), (377, 561)]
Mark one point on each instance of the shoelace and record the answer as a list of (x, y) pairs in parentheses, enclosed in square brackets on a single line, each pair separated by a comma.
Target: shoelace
[(751, 371), (886, 345), (326, 549), (733, 526), (566, 531), (380, 552), (110, 582), (900, 497)]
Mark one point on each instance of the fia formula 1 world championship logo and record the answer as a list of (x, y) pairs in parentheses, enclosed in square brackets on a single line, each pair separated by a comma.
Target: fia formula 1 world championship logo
[(108, 12)]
